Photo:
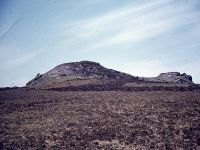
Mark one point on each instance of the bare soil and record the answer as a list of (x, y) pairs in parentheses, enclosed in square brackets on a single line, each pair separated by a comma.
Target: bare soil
[(50, 119)]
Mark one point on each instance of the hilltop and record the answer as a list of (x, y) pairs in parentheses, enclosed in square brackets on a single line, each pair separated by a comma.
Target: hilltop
[(93, 74)]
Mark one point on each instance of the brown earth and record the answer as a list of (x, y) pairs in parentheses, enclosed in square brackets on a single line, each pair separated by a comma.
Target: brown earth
[(46, 119)]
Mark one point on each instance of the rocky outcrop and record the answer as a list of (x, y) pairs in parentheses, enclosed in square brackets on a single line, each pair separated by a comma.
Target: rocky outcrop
[(171, 77), (175, 77), (88, 72), (86, 69), (77, 70)]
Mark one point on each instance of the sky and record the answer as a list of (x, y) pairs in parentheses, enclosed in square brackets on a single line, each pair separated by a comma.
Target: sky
[(140, 37)]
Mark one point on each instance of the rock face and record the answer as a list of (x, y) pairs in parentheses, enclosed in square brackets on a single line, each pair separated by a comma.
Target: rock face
[(175, 77), (171, 77), (86, 69), (88, 72), (77, 70)]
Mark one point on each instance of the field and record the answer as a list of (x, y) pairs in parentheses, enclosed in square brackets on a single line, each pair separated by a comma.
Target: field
[(48, 119)]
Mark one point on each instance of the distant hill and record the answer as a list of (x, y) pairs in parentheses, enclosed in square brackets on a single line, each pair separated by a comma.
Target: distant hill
[(88, 72), (83, 72), (171, 77)]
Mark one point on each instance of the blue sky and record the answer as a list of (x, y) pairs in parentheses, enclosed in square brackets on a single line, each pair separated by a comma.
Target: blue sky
[(140, 37)]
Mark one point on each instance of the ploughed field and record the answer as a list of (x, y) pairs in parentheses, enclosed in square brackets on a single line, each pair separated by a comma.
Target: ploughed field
[(49, 119)]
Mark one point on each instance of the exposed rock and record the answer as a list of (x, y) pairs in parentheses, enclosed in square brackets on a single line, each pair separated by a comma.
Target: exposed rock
[(38, 76), (87, 72), (77, 70), (86, 69), (171, 77), (187, 76), (175, 77)]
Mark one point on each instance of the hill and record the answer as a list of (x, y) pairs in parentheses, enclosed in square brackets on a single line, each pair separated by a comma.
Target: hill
[(92, 74), (83, 105)]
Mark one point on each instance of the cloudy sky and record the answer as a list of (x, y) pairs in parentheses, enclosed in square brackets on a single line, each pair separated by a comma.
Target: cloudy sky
[(140, 37)]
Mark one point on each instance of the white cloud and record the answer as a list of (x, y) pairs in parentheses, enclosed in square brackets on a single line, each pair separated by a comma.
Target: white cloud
[(20, 60), (129, 24), (133, 24), (12, 56)]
